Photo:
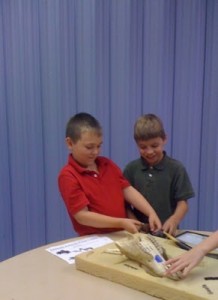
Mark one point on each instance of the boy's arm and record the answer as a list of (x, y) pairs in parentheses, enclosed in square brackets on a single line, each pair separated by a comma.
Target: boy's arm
[(133, 197), (88, 218), (173, 221)]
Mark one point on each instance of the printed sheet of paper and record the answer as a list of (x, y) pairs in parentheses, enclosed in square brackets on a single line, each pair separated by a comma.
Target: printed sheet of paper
[(69, 251)]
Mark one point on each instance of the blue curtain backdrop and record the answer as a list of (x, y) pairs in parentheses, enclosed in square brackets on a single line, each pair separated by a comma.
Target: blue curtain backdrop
[(116, 59)]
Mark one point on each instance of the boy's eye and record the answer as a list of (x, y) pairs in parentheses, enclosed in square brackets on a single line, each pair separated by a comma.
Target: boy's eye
[(93, 147), (152, 146)]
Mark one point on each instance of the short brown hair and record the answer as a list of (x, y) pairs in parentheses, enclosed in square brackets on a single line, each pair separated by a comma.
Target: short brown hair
[(147, 127), (80, 122)]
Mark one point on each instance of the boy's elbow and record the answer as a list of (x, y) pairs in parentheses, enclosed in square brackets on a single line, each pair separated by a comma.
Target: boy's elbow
[(80, 216)]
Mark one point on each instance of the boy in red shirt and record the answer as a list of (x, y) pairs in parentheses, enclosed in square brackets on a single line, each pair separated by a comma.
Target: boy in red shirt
[(93, 187)]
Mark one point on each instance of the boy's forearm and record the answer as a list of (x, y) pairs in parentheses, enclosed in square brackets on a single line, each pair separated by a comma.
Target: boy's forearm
[(97, 220), (133, 197), (209, 243), (93, 219), (180, 211)]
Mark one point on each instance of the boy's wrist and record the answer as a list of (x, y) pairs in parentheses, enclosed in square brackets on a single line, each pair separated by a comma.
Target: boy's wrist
[(175, 219)]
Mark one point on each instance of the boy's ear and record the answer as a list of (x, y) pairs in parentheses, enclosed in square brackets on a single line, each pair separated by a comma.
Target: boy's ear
[(69, 143), (165, 140)]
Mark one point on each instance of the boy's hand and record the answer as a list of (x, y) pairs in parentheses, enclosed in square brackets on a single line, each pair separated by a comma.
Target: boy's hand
[(185, 262), (154, 222), (131, 225), (170, 226)]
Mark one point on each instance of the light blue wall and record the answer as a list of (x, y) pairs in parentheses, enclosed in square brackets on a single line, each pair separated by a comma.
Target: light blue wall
[(116, 59)]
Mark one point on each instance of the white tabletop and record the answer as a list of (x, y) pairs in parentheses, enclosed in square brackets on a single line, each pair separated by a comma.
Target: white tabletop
[(39, 275)]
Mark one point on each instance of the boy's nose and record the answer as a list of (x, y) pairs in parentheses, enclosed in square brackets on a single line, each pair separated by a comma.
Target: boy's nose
[(149, 150), (95, 151)]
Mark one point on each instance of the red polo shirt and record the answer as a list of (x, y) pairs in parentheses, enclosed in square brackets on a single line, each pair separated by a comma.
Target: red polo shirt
[(101, 192)]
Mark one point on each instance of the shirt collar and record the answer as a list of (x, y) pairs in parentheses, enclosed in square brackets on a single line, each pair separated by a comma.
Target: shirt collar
[(159, 166), (100, 161)]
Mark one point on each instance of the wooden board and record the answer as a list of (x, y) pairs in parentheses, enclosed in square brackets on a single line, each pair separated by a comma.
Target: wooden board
[(119, 269)]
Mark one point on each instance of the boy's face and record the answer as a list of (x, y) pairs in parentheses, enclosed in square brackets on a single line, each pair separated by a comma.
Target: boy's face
[(86, 149), (152, 150)]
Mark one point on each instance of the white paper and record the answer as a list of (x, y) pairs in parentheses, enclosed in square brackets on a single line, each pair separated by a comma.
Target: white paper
[(68, 251)]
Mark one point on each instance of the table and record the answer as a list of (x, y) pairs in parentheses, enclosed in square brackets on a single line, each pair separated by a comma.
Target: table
[(39, 275)]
